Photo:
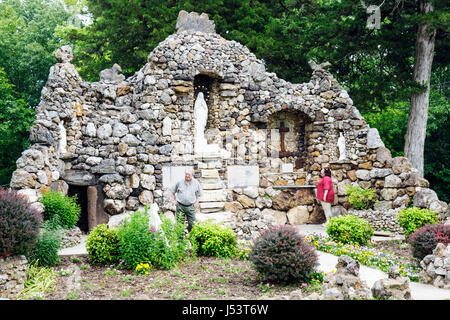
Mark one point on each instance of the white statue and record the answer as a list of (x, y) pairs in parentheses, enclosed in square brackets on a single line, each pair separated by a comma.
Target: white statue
[(201, 146), (62, 138), (200, 116), (341, 146)]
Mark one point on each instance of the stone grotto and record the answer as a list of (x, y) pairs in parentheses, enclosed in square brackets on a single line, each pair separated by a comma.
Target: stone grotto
[(256, 142)]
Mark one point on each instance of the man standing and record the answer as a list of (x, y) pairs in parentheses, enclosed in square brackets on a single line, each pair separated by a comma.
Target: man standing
[(185, 195)]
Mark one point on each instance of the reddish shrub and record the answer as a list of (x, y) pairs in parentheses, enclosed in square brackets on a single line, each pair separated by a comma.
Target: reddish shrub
[(19, 223), (425, 239), (280, 255)]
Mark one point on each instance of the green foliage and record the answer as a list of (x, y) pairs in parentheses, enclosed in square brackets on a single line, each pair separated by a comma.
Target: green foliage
[(39, 282), (437, 143), (15, 121), (102, 245), (135, 239), (28, 43), (359, 197), (212, 239), (45, 250), (67, 208), (281, 255), (162, 249), (169, 246), (349, 229), (19, 223), (411, 219)]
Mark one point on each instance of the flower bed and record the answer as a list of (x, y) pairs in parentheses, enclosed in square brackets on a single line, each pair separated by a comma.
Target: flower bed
[(365, 255)]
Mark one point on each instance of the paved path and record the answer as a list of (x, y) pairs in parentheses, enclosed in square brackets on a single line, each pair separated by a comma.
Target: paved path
[(419, 291)]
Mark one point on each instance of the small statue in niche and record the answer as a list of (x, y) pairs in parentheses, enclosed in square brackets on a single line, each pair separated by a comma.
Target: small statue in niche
[(341, 146), (200, 115), (62, 138)]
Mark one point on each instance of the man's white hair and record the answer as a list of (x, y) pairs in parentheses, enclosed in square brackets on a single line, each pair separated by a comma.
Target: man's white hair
[(189, 170)]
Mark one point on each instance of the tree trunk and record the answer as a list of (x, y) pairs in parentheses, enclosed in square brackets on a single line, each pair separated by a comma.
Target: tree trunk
[(418, 112)]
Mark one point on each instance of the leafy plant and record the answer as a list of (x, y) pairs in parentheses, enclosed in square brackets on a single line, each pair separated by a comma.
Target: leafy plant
[(19, 223), (281, 255), (411, 219), (425, 239), (40, 280), (349, 228), (67, 208), (212, 239), (102, 245), (45, 250), (135, 239), (359, 197), (169, 246)]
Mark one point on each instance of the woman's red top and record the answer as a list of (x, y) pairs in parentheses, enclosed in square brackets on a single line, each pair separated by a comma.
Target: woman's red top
[(325, 184)]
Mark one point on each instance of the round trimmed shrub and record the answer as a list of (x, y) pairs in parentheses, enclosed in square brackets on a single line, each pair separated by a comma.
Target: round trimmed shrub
[(349, 229), (102, 245), (281, 255), (19, 223), (212, 239), (411, 219), (67, 208), (425, 239)]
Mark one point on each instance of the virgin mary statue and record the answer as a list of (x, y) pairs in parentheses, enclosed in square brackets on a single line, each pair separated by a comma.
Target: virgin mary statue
[(200, 116)]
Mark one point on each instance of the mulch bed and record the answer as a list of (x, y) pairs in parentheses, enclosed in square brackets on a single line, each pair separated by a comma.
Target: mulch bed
[(201, 279)]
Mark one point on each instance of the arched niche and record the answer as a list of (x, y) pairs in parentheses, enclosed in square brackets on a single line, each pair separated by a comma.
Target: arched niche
[(287, 131)]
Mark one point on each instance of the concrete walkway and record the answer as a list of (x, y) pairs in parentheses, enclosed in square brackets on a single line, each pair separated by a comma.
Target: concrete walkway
[(327, 262)]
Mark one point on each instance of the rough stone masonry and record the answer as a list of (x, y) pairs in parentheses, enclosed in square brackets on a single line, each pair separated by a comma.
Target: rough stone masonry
[(120, 143)]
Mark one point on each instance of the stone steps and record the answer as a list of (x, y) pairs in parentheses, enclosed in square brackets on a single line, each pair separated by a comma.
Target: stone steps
[(214, 193)]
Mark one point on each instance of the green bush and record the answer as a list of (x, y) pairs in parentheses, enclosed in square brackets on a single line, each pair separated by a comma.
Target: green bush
[(211, 239), (282, 255), (349, 229), (135, 239), (45, 251), (411, 219), (359, 197), (169, 246), (19, 223), (102, 245), (67, 208), (163, 249)]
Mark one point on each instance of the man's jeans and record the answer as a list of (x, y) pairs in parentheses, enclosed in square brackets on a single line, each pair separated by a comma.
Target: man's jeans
[(189, 213)]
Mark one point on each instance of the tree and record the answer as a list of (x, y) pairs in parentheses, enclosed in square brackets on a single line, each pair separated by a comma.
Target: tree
[(15, 122), (27, 43), (418, 112)]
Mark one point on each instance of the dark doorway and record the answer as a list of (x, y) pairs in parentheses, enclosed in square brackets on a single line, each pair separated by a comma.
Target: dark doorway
[(82, 200)]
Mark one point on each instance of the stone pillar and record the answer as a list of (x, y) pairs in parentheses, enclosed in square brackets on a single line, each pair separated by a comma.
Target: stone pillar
[(92, 206)]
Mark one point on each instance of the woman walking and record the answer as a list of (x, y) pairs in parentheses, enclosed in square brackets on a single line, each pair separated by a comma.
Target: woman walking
[(325, 192)]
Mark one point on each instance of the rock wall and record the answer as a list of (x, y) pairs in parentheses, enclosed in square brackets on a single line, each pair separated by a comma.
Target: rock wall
[(13, 274), (119, 133), (436, 267)]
